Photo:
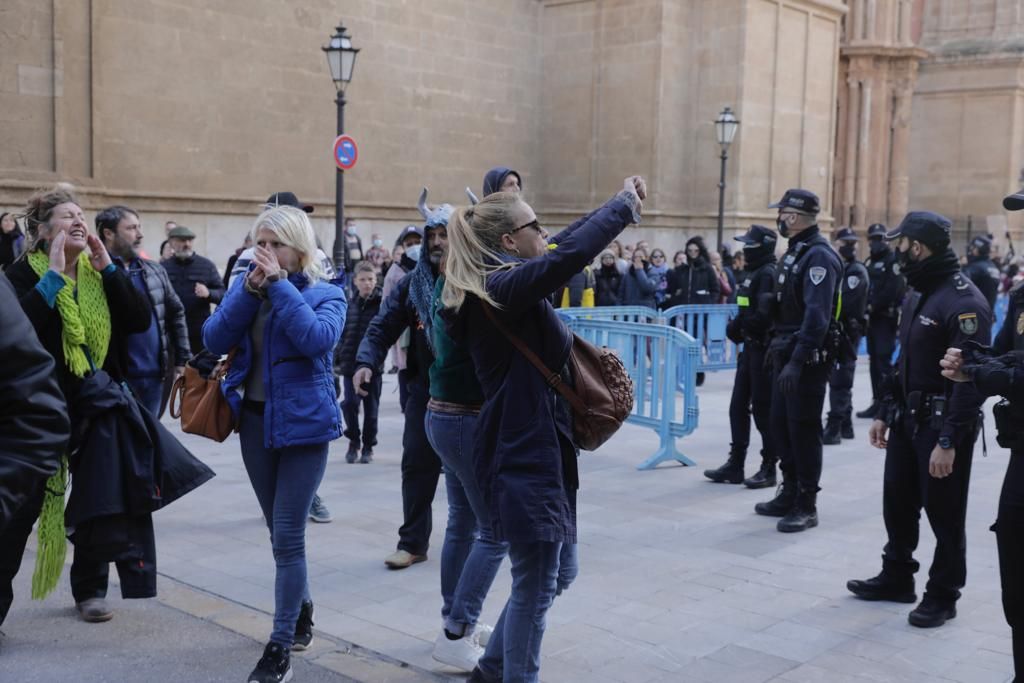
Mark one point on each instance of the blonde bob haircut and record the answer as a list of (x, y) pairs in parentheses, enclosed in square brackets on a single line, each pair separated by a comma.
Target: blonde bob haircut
[(474, 248), (292, 227)]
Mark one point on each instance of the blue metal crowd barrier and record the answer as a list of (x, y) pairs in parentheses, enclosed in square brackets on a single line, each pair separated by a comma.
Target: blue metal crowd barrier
[(654, 355), (633, 314), (706, 323)]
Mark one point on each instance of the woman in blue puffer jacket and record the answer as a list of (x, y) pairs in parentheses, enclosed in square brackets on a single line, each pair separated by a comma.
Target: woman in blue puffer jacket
[(283, 324)]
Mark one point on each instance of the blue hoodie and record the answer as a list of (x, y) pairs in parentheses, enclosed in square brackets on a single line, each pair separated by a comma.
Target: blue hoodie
[(496, 176)]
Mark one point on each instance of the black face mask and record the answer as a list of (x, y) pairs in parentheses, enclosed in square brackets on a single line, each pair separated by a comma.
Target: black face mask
[(783, 226), (877, 247), (904, 258), (848, 251)]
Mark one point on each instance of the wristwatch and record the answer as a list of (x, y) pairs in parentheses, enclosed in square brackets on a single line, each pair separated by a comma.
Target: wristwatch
[(945, 442)]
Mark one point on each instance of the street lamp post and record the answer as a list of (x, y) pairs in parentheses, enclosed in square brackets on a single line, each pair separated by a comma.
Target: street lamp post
[(726, 126), (341, 59)]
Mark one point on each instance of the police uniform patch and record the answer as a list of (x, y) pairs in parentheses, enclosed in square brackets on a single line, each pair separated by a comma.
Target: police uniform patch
[(879, 264), (968, 322), (852, 282), (817, 274), (895, 269), (1020, 324)]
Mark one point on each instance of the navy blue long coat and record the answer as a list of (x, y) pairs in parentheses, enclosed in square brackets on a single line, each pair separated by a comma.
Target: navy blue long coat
[(525, 457)]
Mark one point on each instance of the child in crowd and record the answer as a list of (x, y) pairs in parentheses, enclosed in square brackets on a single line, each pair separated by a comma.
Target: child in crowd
[(362, 307)]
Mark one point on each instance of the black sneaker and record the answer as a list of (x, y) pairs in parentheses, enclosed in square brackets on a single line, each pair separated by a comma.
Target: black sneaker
[(931, 613), (367, 456), (883, 587), (353, 452), (303, 627), (275, 666)]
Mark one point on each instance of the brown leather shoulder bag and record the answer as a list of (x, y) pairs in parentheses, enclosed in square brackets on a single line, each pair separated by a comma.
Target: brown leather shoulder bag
[(602, 393), (200, 404)]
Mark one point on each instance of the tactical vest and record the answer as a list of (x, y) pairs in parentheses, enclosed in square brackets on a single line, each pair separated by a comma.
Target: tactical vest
[(789, 300)]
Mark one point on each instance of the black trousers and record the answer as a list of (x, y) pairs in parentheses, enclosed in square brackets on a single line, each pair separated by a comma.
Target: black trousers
[(421, 469), (840, 387), (12, 546), (88, 577), (403, 389), (751, 393), (795, 424), (367, 437), (881, 344), (1009, 528), (907, 488)]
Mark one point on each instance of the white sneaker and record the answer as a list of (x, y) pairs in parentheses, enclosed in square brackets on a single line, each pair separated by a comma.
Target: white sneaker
[(461, 654), (482, 632)]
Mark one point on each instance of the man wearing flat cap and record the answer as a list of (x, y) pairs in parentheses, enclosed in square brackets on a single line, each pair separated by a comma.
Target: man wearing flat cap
[(853, 287), (806, 299), (196, 282), (927, 425)]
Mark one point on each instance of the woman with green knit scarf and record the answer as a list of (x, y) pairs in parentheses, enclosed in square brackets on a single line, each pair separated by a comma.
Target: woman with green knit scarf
[(82, 308)]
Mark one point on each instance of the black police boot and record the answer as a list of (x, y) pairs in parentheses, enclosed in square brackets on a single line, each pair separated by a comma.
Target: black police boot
[(803, 515), (830, 437), (883, 587), (785, 498), (729, 473), (846, 428), (765, 476), (869, 412), (931, 613)]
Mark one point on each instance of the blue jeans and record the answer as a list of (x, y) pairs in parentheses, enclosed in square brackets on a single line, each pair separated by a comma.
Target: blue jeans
[(513, 652), (148, 392), (284, 480), (469, 562)]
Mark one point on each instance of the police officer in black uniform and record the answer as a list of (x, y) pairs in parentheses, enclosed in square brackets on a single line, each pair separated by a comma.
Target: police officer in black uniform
[(931, 424), (854, 303), (980, 270), (884, 297), (752, 389), (1000, 372), (806, 287)]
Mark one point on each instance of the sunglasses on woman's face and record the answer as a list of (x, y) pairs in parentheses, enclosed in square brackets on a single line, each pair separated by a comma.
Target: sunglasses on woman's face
[(532, 224)]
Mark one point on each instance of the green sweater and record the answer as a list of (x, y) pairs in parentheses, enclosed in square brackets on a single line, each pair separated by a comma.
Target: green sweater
[(452, 375)]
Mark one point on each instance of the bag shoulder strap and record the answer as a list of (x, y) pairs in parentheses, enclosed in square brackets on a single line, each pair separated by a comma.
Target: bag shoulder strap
[(552, 379)]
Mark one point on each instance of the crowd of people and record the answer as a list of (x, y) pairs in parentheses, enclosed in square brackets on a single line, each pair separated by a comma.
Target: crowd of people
[(463, 309)]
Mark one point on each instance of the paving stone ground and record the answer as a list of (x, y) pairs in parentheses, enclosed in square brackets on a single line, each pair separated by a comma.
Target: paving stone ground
[(679, 579)]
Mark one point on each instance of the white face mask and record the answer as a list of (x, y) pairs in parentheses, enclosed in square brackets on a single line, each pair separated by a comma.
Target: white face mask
[(414, 251), (351, 230)]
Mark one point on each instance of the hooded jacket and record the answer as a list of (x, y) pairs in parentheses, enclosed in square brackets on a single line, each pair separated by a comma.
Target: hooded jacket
[(496, 176), (360, 312)]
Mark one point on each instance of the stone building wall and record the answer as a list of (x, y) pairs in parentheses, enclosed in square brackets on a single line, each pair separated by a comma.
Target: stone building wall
[(199, 111)]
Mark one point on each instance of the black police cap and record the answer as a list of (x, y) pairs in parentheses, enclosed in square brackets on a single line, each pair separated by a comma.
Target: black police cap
[(877, 230), (926, 227), (846, 235), (1015, 201), (800, 200), (758, 236)]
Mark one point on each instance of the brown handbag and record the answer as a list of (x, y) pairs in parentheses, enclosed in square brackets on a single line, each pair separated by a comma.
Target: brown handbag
[(201, 405), (602, 392)]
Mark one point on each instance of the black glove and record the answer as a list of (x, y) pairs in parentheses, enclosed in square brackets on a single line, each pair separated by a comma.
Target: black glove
[(789, 378), (733, 331)]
